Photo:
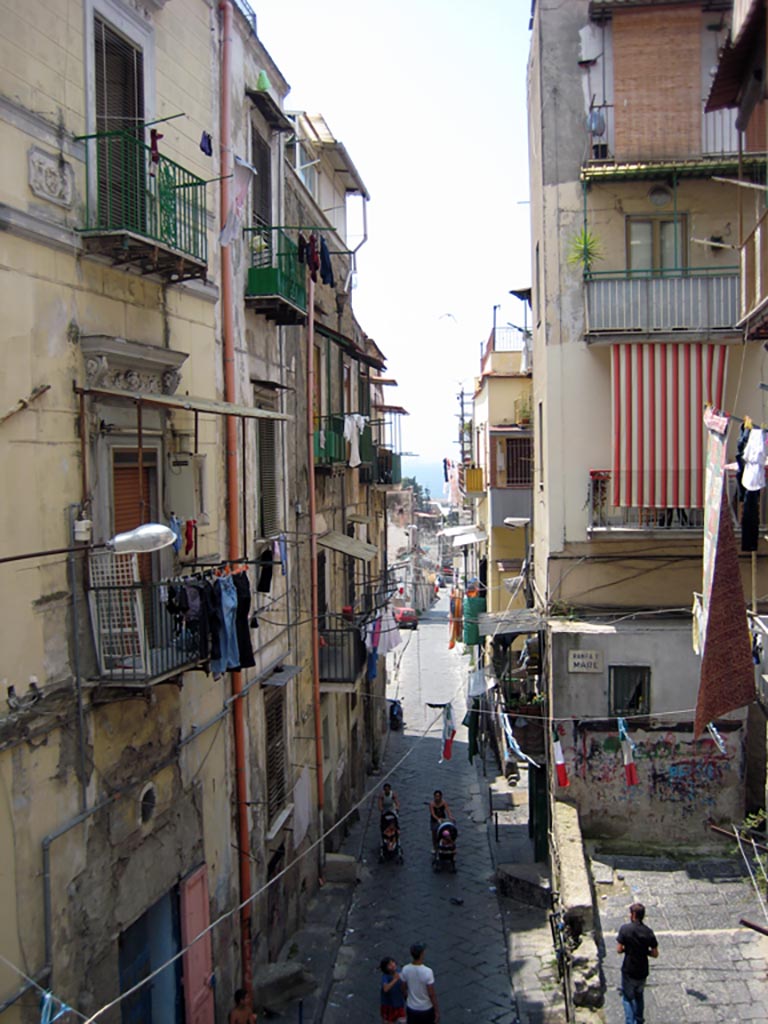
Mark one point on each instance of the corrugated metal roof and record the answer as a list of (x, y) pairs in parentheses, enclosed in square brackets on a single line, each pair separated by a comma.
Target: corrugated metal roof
[(733, 63)]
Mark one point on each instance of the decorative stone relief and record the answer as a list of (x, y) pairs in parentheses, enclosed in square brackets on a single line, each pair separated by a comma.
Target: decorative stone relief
[(131, 365), (51, 177)]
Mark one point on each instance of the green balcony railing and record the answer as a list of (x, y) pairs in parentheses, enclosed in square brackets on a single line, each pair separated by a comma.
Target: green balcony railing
[(158, 200), (275, 269), (387, 467), (330, 445)]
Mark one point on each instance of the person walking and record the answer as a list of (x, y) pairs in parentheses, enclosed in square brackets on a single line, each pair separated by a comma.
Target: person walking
[(439, 811), (392, 993), (241, 1012), (388, 800), (637, 942), (419, 985)]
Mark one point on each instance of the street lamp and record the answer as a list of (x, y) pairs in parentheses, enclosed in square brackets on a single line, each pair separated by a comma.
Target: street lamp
[(143, 540)]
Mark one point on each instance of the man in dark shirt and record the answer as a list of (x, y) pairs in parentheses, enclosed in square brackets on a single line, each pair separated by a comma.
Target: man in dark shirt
[(637, 942)]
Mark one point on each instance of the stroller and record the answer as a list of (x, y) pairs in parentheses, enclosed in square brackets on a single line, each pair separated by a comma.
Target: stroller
[(444, 852), (390, 848)]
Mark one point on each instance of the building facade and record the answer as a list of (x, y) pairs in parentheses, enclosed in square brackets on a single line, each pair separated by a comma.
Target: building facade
[(636, 327)]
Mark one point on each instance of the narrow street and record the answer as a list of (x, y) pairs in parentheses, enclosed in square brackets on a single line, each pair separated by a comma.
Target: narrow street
[(458, 915)]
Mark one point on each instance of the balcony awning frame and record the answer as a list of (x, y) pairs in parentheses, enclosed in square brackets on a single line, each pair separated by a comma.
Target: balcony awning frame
[(348, 546)]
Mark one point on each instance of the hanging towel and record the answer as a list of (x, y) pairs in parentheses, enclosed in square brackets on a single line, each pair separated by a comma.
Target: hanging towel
[(206, 144), (753, 477), (326, 269), (189, 535), (354, 425)]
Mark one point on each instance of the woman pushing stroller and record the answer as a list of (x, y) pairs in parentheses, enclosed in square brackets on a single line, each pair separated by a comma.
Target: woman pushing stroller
[(439, 811), (389, 825)]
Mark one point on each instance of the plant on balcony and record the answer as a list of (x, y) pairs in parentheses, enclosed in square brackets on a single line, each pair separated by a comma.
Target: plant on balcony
[(585, 249)]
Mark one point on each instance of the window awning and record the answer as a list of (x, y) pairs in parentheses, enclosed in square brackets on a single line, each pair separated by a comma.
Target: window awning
[(348, 545), (473, 537), (281, 675), (209, 405), (454, 531), (510, 622)]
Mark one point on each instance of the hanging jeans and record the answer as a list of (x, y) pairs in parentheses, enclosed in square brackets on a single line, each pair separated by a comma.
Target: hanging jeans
[(230, 654), (244, 646)]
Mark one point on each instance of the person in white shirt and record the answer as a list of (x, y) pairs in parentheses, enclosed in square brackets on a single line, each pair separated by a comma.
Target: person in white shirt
[(419, 984)]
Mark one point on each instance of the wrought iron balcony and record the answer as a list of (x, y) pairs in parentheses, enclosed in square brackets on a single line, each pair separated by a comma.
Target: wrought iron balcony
[(139, 637), (644, 302), (330, 446), (342, 655), (604, 517), (144, 211), (276, 284)]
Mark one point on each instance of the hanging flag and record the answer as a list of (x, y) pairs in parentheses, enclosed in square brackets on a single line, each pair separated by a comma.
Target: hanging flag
[(630, 768), (243, 176), (719, 741), (449, 731), (560, 769)]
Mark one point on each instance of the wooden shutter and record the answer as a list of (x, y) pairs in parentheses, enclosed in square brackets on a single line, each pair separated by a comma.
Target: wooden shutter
[(198, 959), (274, 709), (261, 156)]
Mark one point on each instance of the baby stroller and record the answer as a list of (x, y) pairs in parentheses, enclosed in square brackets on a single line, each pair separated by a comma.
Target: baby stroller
[(444, 853), (390, 848)]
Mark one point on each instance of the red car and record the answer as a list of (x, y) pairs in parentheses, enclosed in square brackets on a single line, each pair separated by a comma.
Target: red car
[(406, 618)]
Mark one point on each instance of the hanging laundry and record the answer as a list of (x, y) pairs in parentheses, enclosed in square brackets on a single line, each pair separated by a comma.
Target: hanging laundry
[(282, 543), (326, 268), (750, 521), (206, 144), (313, 259), (449, 731), (757, 648), (560, 768), (175, 525), (189, 535), (389, 637), (445, 470), (229, 659), (265, 576), (241, 183), (472, 721), (354, 424), (630, 768), (741, 444), (242, 624), (753, 477), (455, 618), (719, 741), (154, 150)]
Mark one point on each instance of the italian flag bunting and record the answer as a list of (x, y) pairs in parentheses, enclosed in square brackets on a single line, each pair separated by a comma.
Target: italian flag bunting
[(560, 769), (627, 749)]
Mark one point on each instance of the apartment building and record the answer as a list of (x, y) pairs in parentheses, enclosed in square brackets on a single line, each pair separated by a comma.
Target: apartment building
[(637, 325), (168, 359)]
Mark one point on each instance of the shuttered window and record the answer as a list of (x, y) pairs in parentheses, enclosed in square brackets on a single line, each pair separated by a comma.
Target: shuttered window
[(267, 494), (127, 509), (119, 88), (519, 461), (261, 157), (274, 708)]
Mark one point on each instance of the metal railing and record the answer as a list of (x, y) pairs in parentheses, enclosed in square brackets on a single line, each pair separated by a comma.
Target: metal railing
[(138, 635), (387, 467), (718, 137), (604, 516), (129, 191), (754, 267), (695, 299), (342, 655), (275, 267)]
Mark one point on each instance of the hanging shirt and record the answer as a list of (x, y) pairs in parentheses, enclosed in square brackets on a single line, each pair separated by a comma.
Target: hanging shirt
[(353, 428), (753, 478)]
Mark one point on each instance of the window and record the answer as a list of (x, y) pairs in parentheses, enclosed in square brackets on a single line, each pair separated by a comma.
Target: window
[(305, 163), (656, 244), (519, 461), (268, 519), (630, 689), (261, 158), (144, 946), (274, 711)]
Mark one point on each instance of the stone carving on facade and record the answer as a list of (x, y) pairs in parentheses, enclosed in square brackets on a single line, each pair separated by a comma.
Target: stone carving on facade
[(137, 367), (51, 177)]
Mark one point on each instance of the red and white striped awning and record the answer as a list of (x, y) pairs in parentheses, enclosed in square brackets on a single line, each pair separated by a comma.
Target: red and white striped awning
[(659, 393)]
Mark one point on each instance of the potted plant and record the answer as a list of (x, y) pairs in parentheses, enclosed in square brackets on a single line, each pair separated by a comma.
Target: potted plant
[(585, 249)]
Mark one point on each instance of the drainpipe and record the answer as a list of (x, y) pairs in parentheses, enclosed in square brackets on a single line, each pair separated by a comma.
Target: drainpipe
[(315, 598), (228, 344), (81, 730)]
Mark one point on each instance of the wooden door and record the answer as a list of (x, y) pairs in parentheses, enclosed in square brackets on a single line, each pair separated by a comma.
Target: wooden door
[(198, 959)]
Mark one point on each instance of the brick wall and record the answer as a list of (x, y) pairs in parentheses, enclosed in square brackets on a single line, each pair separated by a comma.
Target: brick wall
[(657, 83)]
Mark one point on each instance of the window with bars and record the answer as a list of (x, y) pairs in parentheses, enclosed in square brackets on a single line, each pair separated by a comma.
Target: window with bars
[(514, 462), (274, 710), (119, 94), (630, 689), (269, 522)]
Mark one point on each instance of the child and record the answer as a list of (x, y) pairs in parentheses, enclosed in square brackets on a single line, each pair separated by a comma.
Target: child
[(392, 997)]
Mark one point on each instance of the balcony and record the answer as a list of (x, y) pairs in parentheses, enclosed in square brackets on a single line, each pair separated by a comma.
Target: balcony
[(387, 469), (754, 278), (143, 212), (603, 517), (138, 636), (276, 283), (342, 655), (330, 446), (473, 481), (700, 301)]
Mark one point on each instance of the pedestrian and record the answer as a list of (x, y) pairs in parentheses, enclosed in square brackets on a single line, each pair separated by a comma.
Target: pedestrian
[(392, 992), (388, 799), (637, 942), (241, 1013), (419, 985), (439, 811)]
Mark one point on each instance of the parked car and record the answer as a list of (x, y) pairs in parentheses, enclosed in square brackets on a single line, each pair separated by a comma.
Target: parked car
[(406, 618)]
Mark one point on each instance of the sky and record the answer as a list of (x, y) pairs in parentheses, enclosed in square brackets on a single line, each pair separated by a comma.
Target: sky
[(429, 99)]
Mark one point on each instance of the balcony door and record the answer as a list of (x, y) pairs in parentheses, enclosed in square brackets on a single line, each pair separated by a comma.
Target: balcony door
[(132, 504), (656, 245)]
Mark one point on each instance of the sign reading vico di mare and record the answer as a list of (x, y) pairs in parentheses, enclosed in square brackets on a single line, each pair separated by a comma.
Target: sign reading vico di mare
[(585, 661)]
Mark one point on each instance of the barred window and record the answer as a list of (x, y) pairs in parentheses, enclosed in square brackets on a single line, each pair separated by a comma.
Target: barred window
[(274, 709), (630, 689)]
